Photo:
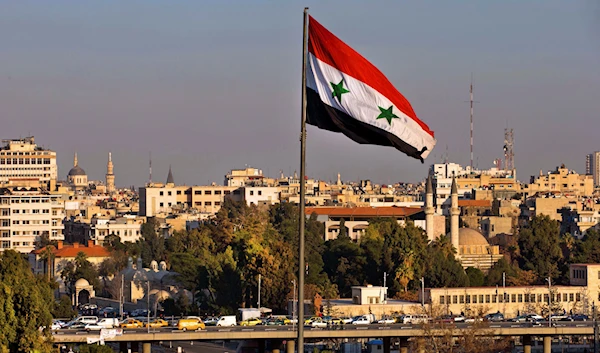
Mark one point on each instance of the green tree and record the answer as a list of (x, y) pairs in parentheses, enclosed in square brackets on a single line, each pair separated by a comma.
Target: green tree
[(48, 256), (94, 348), (476, 277), (442, 269), (539, 247), (25, 302), (588, 249), (80, 268), (500, 269), (152, 245), (63, 308)]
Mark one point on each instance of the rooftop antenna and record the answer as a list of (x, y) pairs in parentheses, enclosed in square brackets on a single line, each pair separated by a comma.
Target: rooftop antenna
[(472, 102), (150, 167)]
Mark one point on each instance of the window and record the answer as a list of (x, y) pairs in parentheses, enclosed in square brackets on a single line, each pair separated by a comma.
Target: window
[(546, 298), (520, 298), (5, 244), (571, 297), (474, 299), (259, 192), (5, 234), (217, 192), (16, 211), (161, 204), (6, 212), (169, 193), (227, 192), (494, 298), (487, 298), (198, 203), (46, 211), (578, 297), (442, 299), (217, 203), (208, 203), (207, 192), (162, 193), (178, 192), (461, 299), (197, 192), (251, 192), (16, 221), (454, 299), (5, 223), (35, 211)]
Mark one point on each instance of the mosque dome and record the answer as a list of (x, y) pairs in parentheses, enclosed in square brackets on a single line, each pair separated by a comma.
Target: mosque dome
[(468, 236), (82, 282), (76, 170)]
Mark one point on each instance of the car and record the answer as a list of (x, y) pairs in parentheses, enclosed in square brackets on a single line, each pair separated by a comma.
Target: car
[(130, 323), (534, 317), (251, 322), (362, 320), (446, 319), (309, 321), (459, 318), (274, 322), (387, 321), (580, 317), (334, 321), (156, 323), (470, 320), (347, 320), (103, 323), (211, 321), (57, 325), (190, 324), (520, 318), (318, 323), (495, 317)]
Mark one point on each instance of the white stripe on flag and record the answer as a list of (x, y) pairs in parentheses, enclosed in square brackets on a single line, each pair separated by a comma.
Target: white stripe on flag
[(361, 103)]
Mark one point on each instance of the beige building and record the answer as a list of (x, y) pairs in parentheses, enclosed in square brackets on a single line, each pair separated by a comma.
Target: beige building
[(127, 228), (26, 214), (22, 160), (241, 177), (576, 297), (562, 180)]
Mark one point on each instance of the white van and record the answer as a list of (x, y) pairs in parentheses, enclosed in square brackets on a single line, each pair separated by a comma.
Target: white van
[(414, 319), (228, 320), (87, 319), (103, 323)]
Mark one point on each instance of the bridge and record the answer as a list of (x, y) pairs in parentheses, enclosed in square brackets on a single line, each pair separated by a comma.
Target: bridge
[(288, 334)]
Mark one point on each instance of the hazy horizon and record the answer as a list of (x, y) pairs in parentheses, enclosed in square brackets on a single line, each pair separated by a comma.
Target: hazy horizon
[(208, 87)]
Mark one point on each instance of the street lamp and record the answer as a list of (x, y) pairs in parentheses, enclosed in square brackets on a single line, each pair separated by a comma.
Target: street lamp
[(549, 280)]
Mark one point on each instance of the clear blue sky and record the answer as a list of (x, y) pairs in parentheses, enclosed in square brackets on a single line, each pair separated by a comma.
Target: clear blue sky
[(212, 85)]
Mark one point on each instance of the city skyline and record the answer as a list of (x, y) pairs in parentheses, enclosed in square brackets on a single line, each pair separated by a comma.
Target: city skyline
[(109, 84)]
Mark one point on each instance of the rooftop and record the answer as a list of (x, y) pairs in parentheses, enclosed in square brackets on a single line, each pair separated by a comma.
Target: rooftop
[(392, 211)]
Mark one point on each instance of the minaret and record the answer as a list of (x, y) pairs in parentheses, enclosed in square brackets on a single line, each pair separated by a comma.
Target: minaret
[(110, 177), (429, 210), (454, 214), (75, 160), (170, 179)]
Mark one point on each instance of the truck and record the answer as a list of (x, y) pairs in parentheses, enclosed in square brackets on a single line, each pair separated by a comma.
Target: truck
[(248, 313)]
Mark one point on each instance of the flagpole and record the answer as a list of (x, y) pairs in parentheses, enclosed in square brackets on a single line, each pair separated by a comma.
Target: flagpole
[(302, 217)]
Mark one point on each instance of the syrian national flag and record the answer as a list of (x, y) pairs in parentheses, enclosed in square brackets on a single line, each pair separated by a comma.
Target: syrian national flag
[(346, 93)]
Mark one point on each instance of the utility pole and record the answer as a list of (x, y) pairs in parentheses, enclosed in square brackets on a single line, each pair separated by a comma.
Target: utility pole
[(594, 316), (259, 279), (294, 306), (549, 279), (504, 293), (384, 288), (423, 292), (148, 322), (122, 299)]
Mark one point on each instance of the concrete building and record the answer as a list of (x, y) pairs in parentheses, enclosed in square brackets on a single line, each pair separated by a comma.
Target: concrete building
[(575, 298), (26, 214), (260, 195), (62, 255), (356, 219), (22, 160), (562, 180), (592, 167), (96, 229), (369, 294), (241, 177)]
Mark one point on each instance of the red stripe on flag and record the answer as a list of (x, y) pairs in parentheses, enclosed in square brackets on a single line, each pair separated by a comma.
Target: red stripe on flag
[(328, 48)]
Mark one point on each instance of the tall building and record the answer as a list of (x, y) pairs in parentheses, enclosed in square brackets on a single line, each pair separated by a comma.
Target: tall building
[(110, 176), (26, 214), (21, 160), (592, 166)]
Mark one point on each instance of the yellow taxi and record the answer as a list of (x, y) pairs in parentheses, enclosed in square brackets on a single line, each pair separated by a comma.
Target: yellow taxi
[(190, 324), (311, 320), (251, 322), (157, 323), (130, 323)]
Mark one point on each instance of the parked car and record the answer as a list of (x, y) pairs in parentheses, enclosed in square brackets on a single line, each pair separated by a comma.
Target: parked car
[(211, 321), (459, 318), (413, 319), (580, 317), (361, 320), (347, 320), (307, 322), (57, 325)]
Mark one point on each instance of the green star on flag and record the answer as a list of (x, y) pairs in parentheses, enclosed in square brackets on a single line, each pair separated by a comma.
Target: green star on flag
[(338, 90), (387, 114)]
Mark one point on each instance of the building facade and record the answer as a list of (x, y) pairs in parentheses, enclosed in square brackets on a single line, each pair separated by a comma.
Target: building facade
[(561, 180), (592, 167), (22, 159), (27, 214)]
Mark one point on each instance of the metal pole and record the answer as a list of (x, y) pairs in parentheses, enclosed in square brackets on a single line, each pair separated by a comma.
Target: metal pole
[(148, 322), (595, 327), (294, 307), (549, 302), (423, 291), (122, 299), (259, 278), (384, 288), (302, 188), (504, 293)]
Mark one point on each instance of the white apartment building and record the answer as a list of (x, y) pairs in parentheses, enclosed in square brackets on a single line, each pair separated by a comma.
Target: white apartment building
[(164, 200), (128, 228), (25, 215), (240, 177), (260, 195), (21, 160)]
